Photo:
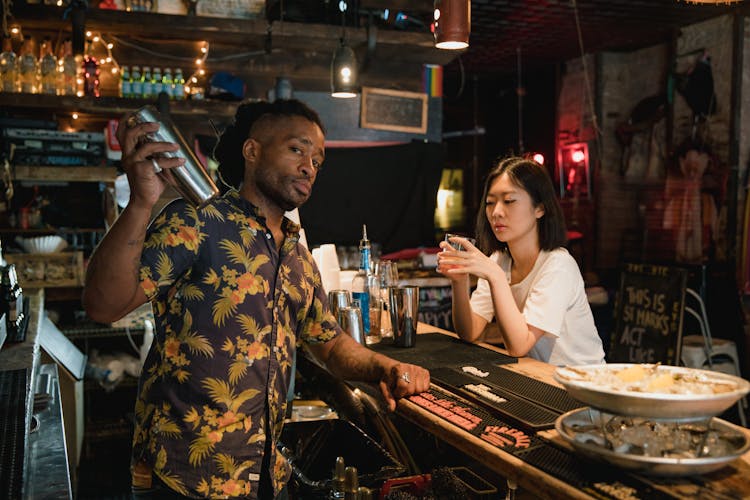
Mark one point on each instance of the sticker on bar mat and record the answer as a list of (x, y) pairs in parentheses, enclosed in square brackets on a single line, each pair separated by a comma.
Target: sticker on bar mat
[(525, 413), (536, 391), (474, 420)]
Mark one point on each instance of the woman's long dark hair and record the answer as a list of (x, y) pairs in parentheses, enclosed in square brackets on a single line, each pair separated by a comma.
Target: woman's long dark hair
[(535, 180), (228, 150)]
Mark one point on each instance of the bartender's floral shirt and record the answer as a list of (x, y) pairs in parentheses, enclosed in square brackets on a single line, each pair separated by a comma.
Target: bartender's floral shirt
[(229, 309)]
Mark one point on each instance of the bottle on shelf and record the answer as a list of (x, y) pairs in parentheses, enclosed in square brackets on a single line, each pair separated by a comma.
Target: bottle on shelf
[(68, 69), (47, 67), (157, 87), (147, 90), (337, 482), (366, 292), (136, 85), (8, 73), (179, 85), (125, 83), (167, 82), (90, 71), (27, 66)]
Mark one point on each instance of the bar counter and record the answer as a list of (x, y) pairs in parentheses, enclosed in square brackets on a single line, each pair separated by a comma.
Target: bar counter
[(43, 472), (728, 482)]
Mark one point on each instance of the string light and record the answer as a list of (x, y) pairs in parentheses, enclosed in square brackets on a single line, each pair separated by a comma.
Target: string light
[(199, 65), (98, 39)]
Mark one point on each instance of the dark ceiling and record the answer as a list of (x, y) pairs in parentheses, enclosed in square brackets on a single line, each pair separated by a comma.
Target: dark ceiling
[(546, 32)]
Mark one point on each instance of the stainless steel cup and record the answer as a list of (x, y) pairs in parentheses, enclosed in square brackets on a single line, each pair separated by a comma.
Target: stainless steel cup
[(350, 319), (403, 303), (338, 299), (190, 179)]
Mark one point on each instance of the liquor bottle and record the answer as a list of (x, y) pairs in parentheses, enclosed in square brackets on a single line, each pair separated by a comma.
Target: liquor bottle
[(147, 90), (365, 291), (125, 84), (156, 86), (68, 71), (136, 86), (167, 83), (27, 66), (90, 76), (179, 85), (47, 67), (8, 66), (337, 482)]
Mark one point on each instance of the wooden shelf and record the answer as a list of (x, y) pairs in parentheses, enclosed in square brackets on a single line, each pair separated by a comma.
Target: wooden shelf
[(115, 107), (65, 174), (253, 49), (248, 33)]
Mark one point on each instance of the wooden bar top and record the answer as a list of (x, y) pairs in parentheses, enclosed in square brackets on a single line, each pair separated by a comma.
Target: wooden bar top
[(729, 482)]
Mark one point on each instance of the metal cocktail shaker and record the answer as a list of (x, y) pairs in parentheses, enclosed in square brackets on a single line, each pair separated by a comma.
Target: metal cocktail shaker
[(190, 179)]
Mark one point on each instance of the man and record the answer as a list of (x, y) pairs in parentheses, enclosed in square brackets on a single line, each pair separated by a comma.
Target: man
[(233, 293)]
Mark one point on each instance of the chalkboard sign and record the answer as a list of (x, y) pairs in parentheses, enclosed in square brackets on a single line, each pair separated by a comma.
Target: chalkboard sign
[(648, 322), (394, 110)]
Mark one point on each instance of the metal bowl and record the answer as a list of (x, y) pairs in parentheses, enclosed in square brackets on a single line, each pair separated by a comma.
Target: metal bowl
[(581, 383), (567, 423)]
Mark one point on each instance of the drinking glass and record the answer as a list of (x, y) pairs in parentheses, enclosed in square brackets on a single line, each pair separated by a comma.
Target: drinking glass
[(387, 273), (456, 246)]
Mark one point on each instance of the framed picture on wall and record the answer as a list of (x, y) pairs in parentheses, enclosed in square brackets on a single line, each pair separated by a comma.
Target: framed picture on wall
[(394, 110)]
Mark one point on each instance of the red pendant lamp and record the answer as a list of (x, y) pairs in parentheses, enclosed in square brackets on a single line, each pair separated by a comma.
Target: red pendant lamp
[(452, 24)]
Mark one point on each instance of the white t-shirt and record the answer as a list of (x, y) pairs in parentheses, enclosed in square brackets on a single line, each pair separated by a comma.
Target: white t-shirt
[(552, 298)]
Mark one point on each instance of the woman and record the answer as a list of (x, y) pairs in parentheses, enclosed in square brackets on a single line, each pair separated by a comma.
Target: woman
[(529, 282)]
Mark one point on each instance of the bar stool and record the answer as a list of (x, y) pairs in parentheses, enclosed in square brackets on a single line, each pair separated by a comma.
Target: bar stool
[(703, 351)]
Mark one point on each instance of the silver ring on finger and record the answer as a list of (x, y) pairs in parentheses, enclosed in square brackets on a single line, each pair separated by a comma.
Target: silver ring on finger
[(156, 166), (406, 378)]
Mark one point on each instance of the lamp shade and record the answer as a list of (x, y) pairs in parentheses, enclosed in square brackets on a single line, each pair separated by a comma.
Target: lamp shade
[(344, 72), (452, 24)]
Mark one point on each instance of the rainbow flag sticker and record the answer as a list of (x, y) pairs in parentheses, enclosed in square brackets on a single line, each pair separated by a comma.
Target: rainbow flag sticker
[(432, 80)]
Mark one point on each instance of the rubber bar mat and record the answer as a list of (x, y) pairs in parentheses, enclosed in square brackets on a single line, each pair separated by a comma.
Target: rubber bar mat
[(522, 412), (598, 480), (475, 420), (13, 387), (536, 391), (434, 350)]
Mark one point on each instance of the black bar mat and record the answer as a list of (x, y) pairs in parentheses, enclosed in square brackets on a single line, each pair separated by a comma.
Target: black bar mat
[(522, 412), (434, 350), (12, 431), (475, 420), (536, 391), (598, 480)]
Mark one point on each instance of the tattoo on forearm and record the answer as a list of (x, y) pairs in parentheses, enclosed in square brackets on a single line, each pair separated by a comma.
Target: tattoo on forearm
[(134, 242)]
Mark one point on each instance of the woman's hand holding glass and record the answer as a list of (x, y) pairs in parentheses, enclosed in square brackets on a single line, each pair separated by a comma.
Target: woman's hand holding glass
[(460, 258), (448, 259)]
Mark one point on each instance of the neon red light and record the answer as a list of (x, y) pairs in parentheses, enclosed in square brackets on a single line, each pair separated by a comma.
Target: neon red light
[(539, 158), (578, 156)]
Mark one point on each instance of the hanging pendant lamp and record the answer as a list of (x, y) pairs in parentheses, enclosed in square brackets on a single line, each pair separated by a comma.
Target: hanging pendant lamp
[(344, 72), (452, 24)]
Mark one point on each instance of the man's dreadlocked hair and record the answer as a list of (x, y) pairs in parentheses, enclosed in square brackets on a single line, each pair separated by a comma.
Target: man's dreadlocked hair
[(228, 151)]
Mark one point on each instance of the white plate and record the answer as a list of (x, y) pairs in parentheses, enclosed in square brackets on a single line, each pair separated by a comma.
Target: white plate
[(568, 425), (596, 386)]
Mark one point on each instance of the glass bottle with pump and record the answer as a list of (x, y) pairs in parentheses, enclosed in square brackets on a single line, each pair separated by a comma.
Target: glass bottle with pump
[(365, 291), (47, 68), (27, 66), (8, 73)]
